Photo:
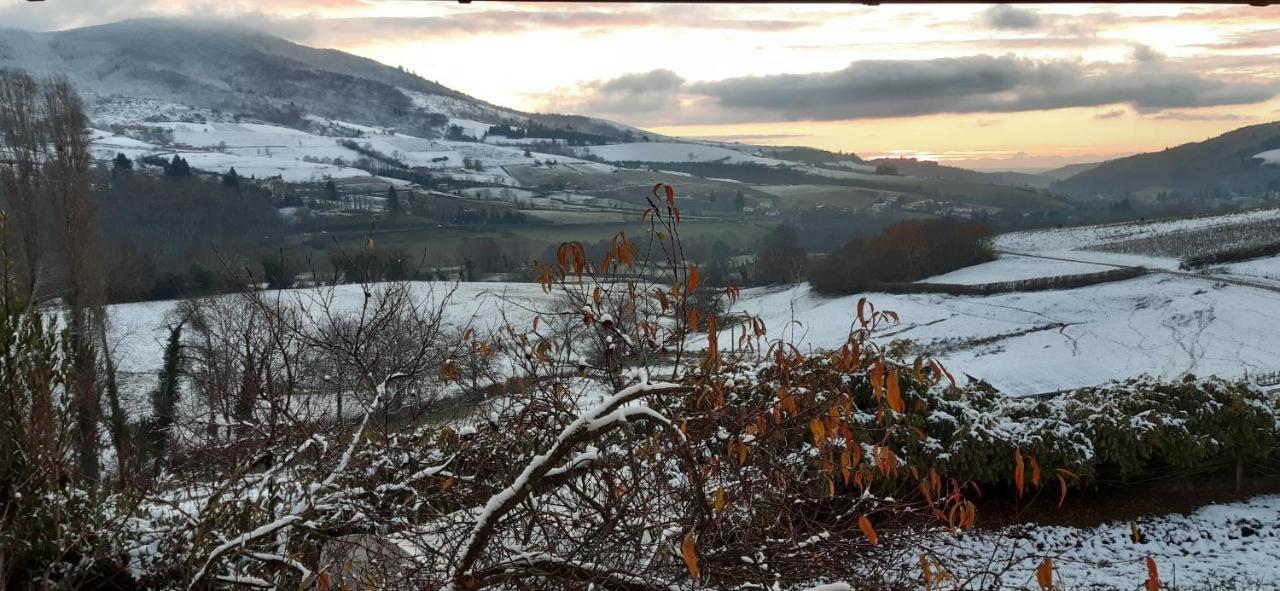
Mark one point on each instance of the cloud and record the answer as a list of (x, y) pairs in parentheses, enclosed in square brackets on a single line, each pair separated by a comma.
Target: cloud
[(336, 23), (65, 14), (1259, 39), (1144, 53), (1112, 114), (907, 88), (630, 95), (1006, 17), (987, 84)]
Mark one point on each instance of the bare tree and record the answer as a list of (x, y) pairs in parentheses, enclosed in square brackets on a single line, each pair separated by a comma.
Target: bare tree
[(23, 147), (46, 180)]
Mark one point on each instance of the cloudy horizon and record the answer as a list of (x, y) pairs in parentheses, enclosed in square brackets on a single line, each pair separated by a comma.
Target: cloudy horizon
[(986, 86)]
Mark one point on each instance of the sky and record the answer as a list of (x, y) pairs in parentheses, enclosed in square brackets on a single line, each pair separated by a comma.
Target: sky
[(993, 87)]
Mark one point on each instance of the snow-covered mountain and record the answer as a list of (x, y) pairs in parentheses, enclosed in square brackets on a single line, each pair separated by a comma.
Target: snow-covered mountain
[(161, 66)]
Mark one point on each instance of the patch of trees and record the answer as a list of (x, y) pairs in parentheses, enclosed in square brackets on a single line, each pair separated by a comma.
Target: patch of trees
[(1229, 255), (488, 216), (458, 133), (165, 236), (906, 251), (367, 150), (290, 115), (537, 130)]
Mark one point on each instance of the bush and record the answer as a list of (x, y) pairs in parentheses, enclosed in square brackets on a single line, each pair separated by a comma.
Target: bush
[(905, 251)]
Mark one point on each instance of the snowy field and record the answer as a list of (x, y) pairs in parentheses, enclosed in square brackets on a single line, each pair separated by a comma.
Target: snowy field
[(1015, 268), (263, 151), (1078, 243), (1209, 549), (1262, 268), (1030, 343)]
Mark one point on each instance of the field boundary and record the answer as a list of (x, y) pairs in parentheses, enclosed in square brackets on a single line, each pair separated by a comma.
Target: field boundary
[(1232, 255), (1022, 285)]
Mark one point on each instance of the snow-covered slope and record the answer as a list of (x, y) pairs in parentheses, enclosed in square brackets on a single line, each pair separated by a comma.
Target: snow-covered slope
[(1270, 156), (1086, 243), (1014, 267), (266, 151), (1030, 343), (1227, 546)]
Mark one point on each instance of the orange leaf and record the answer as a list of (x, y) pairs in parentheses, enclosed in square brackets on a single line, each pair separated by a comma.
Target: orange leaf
[(818, 430), (1134, 534), (895, 394), (864, 524), (1035, 472), (689, 553), (671, 196), (1153, 576), (1019, 471), (693, 277), (719, 500), (1044, 574)]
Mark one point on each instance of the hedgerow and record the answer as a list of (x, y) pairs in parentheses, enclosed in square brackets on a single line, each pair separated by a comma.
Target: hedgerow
[(1140, 427)]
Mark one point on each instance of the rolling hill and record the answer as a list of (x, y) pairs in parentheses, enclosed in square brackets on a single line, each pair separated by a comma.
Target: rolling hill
[(1229, 163)]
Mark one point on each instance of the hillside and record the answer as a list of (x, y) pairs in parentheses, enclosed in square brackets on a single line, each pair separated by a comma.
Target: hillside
[(237, 70), (1229, 163), (1068, 171), (933, 170)]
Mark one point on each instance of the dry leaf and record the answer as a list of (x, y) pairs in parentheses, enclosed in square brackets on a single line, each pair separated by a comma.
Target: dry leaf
[(864, 524), (1044, 574), (690, 555)]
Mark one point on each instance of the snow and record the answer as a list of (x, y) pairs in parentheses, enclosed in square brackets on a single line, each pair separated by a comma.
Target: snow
[(1037, 342), (475, 129), (1262, 268), (294, 171), (105, 145), (1215, 544), (1269, 157), (1075, 242), (1015, 268)]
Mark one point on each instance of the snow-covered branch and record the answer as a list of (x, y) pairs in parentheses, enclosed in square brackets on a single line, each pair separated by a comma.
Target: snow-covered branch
[(591, 424)]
